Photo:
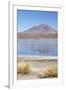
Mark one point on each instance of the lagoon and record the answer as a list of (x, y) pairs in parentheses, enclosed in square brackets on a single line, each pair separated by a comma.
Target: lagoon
[(40, 47)]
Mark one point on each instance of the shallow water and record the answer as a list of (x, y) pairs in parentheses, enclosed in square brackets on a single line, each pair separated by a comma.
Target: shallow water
[(42, 47)]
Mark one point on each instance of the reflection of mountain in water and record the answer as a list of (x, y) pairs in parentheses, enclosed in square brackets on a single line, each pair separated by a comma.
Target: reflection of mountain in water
[(37, 47), (42, 49), (39, 31)]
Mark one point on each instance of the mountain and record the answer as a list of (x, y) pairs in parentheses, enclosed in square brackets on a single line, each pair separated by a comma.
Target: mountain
[(41, 28), (39, 31)]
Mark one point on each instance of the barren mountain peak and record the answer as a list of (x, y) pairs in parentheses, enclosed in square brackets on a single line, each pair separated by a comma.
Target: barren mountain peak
[(41, 28)]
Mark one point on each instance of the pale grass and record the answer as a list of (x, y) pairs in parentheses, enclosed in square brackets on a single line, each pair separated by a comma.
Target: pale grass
[(50, 71), (24, 68)]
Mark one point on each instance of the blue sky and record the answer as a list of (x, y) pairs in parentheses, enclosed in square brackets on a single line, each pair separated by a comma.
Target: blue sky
[(29, 18)]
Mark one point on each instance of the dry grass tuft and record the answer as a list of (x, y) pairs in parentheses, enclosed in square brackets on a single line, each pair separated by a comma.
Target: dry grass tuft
[(24, 68), (51, 71)]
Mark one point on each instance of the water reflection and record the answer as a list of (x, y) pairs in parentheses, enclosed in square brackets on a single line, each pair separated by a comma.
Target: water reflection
[(37, 47)]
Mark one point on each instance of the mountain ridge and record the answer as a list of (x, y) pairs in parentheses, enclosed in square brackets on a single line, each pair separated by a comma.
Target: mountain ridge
[(39, 31), (41, 28)]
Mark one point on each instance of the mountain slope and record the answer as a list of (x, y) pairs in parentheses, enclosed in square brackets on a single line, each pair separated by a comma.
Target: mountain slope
[(36, 32), (41, 28)]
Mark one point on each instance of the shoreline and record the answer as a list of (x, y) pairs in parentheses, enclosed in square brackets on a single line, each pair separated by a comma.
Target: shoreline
[(38, 67), (38, 39), (36, 58)]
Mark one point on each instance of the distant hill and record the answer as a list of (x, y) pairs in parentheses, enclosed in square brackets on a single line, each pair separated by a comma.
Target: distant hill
[(41, 28), (39, 31)]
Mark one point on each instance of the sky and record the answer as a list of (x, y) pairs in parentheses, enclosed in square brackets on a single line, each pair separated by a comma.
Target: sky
[(29, 18)]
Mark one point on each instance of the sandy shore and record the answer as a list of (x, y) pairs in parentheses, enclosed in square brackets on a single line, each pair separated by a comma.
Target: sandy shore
[(38, 64), (25, 57)]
